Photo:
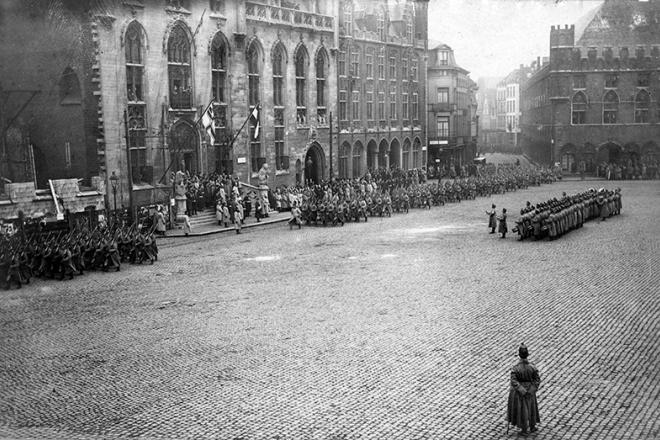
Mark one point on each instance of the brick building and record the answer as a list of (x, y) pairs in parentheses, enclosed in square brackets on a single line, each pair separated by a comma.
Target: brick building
[(596, 101), (381, 69), (122, 84), (452, 109)]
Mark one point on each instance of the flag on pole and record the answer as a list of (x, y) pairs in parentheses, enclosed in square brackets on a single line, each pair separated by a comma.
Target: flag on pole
[(208, 122), (255, 115)]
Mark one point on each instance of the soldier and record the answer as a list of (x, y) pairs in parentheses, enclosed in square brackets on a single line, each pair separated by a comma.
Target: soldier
[(295, 216), (503, 226), (523, 408), (492, 219)]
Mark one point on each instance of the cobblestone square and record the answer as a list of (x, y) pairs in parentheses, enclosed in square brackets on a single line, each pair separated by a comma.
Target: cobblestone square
[(398, 328)]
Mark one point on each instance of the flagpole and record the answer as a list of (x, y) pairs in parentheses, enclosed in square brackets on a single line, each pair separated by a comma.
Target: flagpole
[(231, 144)]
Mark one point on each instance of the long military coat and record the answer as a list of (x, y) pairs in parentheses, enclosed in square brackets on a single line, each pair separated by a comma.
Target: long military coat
[(523, 408)]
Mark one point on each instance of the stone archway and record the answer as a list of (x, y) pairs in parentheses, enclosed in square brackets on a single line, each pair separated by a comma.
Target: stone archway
[(184, 147), (372, 155), (383, 158), (568, 158), (395, 154), (609, 152), (314, 164)]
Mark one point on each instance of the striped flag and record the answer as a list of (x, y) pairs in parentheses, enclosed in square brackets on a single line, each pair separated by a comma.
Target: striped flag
[(255, 115), (208, 122)]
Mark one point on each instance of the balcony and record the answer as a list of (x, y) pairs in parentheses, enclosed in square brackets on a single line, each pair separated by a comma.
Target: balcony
[(285, 16), (442, 107)]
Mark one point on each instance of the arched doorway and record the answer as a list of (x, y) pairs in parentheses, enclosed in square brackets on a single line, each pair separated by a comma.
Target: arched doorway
[(609, 152), (417, 153), (568, 162), (344, 157), (357, 159), (314, 164), (383, 158), (184, 147), (372, 155), (407, 153), (395, 154)]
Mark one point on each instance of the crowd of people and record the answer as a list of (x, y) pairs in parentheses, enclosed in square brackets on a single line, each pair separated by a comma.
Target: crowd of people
[(556, 217), (630, 169), (60, 255), (385, 192)]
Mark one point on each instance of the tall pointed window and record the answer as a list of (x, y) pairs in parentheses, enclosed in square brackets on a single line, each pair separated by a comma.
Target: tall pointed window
[(380, 25), (355, 62), (321, 75), (642, 103), (253, 55), (409, 27), (279, 68), (415, 107), (301, 86), (369, 62), (579, 109), (348, 18), (610, 107), (381, 64), (357, 159), (219, 50), (135, 111), (178, 68)]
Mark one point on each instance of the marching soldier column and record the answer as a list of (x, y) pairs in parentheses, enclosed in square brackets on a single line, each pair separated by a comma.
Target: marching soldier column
[(65, 254)]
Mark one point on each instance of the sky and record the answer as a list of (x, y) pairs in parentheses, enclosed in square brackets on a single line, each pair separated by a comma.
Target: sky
[(490, 38)]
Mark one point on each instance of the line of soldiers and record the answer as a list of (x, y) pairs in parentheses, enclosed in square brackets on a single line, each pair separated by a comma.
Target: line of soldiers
[(62, 255), (345, 202), (557, 217)]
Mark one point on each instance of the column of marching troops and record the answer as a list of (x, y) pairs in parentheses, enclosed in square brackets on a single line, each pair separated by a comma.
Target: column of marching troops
[(65, 254), (352, 200), (556, 217)]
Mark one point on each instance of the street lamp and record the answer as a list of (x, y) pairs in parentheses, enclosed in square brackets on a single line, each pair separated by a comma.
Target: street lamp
[(114, 181)]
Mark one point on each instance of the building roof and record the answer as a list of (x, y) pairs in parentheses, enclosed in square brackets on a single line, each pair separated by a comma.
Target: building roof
[(620, 23)]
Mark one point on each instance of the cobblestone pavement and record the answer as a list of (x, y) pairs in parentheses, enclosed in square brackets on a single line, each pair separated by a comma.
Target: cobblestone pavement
[(401, 328)]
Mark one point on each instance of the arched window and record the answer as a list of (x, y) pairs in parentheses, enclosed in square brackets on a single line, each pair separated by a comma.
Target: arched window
[(642, 103), (414, 68), (408, 18), (406, 155), (610, 107), (219, 67), (417, 149), (355, 61), (348, 18), (344, 154), (380, 24), (357, 160), (579, 109), (279, 69), (179, 69), (136, 107), (301, 91), (321, 75), (253, 56)]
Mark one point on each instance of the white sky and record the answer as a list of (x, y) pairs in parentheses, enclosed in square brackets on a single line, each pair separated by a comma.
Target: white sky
[(493, 37)]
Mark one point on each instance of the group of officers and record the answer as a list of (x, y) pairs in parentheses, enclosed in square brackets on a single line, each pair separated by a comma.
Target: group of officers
[(556, 217), (60, 255)]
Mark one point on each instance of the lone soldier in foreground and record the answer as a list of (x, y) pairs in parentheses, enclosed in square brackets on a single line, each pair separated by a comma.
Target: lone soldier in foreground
[(523, 408)]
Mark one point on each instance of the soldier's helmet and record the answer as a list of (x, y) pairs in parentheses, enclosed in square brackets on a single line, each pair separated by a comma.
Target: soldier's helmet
[(522, 351)]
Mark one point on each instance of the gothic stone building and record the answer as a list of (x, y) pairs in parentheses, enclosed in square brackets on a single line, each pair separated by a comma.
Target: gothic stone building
[(381, 68), (597, 99)]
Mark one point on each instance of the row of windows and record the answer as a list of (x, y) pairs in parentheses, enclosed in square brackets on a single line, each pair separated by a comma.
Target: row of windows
[(610, 108), (410, 157), (180, 87), (612, 80), (407, 71)]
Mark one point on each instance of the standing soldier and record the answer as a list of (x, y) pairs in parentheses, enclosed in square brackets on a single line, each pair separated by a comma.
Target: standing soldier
[(523, 408), (503, 229), (492, 221)]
